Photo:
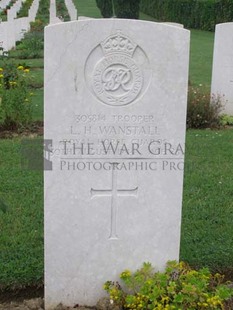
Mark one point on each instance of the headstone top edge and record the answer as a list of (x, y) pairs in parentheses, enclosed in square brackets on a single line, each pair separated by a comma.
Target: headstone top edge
[(223, 25), (122, 20)]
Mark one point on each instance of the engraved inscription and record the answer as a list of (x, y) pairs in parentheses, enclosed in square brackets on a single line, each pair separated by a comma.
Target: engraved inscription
[(117, 80), (117, 71), (114, 193)]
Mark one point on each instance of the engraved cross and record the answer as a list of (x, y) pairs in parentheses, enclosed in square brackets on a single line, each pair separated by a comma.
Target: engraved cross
[(114, 192)]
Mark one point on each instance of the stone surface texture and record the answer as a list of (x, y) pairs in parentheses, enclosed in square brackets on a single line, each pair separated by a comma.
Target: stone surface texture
[(115, 115)]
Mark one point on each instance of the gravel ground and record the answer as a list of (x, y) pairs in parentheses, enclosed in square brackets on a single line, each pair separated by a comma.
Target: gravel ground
[(103, 304), (38, 304)]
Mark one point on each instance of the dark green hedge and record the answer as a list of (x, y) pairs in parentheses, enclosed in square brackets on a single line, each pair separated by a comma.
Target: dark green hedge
[(105, 7), (122, 8), (197, 14), (127, 8)]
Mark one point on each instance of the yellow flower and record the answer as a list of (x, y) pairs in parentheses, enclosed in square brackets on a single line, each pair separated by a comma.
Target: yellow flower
[(20, 68), (26, 70), (1, 75), (1, 69), (12, 83)]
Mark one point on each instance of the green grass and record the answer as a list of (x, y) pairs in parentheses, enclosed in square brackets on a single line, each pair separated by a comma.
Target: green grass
[(38, 106), (201, 55), (207, 228), (21, 227), (207, 208), (87, 8)]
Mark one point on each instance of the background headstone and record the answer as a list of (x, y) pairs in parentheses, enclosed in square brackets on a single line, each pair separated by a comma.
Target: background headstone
[(7, 35), (71, 9), (53, 19), (84, 17), (222, 73), (115, 110), (174, 24)]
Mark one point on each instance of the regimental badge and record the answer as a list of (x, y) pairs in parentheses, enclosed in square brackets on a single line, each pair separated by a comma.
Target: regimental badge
[(117, 79)]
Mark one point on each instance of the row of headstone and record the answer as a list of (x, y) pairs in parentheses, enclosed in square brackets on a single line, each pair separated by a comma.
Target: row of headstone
[(116, 129), (4, 4), (222, 74), (54, 19), (14, 28), (14, 9)]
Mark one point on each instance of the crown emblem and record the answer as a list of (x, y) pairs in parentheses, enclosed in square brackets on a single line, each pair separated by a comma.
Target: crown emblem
[(118, 43)]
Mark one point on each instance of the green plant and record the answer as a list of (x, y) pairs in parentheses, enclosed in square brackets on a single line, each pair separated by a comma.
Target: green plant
[(37, 26), (62, 10), (105, 7), (43, 12), (196, 14), (203, 110), (15, 97), (178, 287), (23, 12), (226, 120), (32, 45)]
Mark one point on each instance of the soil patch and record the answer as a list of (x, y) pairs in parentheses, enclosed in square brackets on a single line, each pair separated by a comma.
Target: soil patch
[(35, 129)]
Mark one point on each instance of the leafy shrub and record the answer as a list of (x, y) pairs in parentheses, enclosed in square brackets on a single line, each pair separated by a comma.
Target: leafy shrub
[(127, 8), (37, 26), (197, 14), (43, 11), (226, 120), (32, 45), (23, 12), (122, 8), (105, 7), (179, 287), (203, 111), (15, 97)]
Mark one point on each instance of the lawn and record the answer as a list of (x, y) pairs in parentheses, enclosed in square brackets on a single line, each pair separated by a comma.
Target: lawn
[(208, 185)]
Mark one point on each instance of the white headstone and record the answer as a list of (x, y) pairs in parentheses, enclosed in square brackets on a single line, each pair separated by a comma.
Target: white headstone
[(222, 73), (22, 25), (53, 19), (14, 9), (71, 10), (115, 110), (4, 3), (84, 17), (33, 10), (7, 35)]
